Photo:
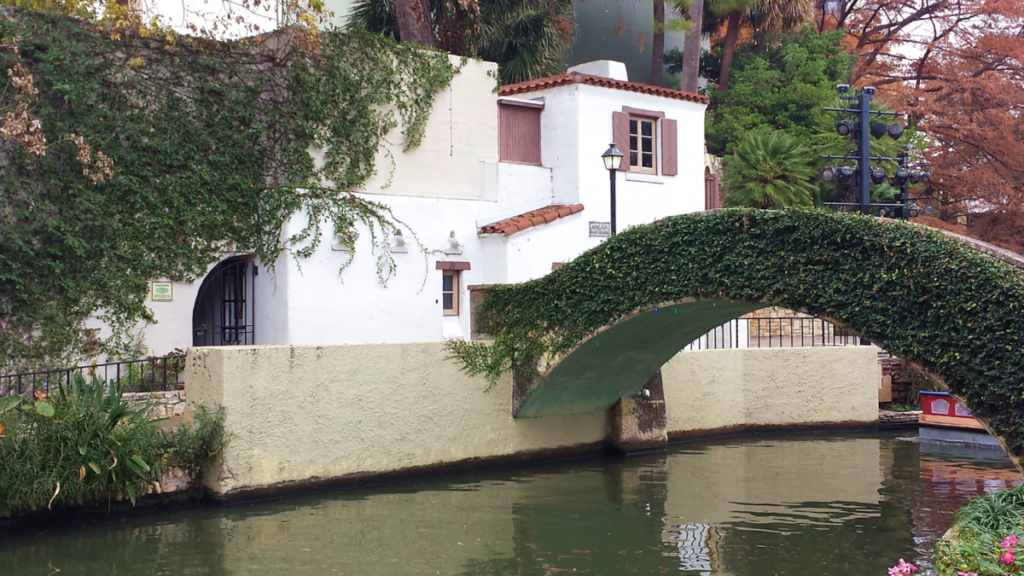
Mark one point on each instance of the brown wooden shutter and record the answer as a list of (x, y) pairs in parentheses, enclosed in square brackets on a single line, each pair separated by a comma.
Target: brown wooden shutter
[(620, 134), (669, 151), (519, 133)]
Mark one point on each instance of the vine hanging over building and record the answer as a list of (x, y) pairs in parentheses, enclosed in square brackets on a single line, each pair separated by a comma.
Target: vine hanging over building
[(128, 155)]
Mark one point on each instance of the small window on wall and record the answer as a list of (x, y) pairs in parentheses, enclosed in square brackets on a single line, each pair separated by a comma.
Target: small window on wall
[(642, 150), (450, 293)]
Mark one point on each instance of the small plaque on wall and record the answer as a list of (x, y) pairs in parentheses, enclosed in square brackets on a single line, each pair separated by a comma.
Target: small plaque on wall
[(162, 292), (600, 229)]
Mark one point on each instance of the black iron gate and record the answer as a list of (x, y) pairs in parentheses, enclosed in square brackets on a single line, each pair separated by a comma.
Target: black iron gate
[(224, 311)]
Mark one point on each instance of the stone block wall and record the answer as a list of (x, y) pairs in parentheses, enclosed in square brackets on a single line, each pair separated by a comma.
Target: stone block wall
[(165, 404), (800, 325), (891, 366)]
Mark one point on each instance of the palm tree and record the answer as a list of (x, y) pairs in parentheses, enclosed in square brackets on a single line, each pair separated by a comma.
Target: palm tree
[(760, 16), (525, 37), (769, 169), (691, 47), (658, 43)]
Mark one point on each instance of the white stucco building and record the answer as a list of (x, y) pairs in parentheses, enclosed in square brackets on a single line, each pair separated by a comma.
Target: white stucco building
[(516, 176)]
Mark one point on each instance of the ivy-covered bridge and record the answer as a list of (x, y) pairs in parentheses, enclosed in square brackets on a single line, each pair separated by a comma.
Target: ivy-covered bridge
[(598, 328)]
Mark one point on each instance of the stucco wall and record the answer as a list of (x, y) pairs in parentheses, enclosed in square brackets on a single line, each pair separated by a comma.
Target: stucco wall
[(301, 413), (309, 413), (716, 389)]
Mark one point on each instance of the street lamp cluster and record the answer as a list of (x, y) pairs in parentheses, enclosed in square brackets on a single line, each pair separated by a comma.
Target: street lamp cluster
[(862, 175)]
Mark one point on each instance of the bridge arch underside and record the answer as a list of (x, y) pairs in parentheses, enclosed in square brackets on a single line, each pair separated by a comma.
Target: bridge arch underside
[(620, 359)]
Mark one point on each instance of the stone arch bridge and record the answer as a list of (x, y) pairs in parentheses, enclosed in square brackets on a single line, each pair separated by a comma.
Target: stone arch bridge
[(597, 329)]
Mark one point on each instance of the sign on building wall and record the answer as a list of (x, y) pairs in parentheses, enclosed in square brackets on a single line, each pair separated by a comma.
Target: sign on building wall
[(600, 229), (162, 291)]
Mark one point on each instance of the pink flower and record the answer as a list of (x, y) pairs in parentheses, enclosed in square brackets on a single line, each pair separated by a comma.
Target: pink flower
[(1007, 557), (904, 568), (1009, 542), (966, 573)]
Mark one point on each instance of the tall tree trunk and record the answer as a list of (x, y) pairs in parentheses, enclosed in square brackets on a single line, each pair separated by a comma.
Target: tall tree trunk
[(658, 50), (732, 33), (414, 23), (691, 47)]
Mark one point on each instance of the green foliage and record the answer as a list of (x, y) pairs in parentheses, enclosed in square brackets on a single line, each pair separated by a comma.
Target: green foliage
[(128, 157), (86, 444), (994, 514), (527, 38), (782, 83), (82, 444), (197, 443), (769, 169), (921, 295), (978, 540)]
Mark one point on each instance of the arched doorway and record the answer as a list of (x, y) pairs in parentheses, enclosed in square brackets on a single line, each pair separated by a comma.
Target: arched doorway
[(223, 314)]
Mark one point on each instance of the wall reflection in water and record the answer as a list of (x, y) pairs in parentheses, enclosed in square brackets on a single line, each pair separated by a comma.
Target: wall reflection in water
[(803, 505)]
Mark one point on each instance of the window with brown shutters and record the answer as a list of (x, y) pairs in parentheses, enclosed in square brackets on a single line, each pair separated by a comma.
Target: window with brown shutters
[(637, 133), (519, 131)]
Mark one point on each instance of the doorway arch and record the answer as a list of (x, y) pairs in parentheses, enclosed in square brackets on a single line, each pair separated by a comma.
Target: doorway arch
[(224, 311)]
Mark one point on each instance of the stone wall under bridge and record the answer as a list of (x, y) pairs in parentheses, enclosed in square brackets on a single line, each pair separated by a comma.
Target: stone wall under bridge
[(307, 415)]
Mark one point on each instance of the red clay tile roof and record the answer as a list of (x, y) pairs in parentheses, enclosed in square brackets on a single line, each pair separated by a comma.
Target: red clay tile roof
[(519, 223), (580, 78)]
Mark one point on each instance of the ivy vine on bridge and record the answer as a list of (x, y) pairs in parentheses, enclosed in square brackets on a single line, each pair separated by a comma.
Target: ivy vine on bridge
[(954, 311)]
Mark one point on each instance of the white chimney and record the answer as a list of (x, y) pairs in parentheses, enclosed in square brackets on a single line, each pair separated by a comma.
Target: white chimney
[(604, 68)]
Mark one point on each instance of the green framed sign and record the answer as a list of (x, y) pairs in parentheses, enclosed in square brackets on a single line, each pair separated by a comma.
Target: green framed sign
[(162, 291)]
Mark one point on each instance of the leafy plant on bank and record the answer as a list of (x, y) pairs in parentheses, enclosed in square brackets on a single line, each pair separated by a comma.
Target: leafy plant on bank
[(129, 155), (769, 169), (85, 444), (196, 443), (927, 298), (987, 537)]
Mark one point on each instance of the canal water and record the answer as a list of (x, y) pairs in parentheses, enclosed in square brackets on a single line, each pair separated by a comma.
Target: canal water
[(821, 505)]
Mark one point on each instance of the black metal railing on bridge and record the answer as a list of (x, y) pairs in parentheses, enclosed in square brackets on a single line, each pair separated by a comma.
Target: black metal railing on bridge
[(144, 375), (786, 332)]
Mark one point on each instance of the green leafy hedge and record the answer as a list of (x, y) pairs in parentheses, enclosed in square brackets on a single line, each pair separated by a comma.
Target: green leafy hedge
[(926, 297)]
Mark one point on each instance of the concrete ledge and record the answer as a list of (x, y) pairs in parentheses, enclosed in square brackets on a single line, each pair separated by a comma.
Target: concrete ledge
[(753, 430), (711, 391), (308, 415), (418, 473)]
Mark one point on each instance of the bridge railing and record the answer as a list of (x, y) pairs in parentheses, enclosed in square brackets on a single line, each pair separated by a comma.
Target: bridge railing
[(144, 375), (784, 332)]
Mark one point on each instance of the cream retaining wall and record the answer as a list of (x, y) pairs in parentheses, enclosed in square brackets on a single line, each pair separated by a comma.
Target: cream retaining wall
[(301, 414), (717, 389), (307, 413)]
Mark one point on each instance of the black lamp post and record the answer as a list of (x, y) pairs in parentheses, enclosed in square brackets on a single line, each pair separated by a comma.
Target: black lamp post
[(612, 159)]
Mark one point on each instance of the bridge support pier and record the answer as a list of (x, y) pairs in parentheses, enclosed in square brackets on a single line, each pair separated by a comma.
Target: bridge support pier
[(639, 421)]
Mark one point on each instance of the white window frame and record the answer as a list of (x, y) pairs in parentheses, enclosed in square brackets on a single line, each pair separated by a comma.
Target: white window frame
[(454, 310), (638, 167)]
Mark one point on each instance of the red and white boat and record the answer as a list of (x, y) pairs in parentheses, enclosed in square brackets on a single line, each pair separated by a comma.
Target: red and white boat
[(943, 418)]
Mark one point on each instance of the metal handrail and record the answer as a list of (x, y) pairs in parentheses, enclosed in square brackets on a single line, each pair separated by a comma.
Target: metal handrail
[(791, 332), (141, 375)]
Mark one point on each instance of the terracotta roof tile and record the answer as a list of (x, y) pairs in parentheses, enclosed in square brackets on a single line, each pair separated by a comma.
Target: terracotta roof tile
[(519, 223), (579, 78)]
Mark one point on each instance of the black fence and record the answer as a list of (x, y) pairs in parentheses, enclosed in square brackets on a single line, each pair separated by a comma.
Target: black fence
[(793, 332), (145, 375)]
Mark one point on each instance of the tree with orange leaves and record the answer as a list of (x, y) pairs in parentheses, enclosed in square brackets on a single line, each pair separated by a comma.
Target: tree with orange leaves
[(957, 66)]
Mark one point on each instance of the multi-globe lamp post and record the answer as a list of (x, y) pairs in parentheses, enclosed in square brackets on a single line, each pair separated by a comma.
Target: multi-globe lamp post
[(863, 175), (612, 160)]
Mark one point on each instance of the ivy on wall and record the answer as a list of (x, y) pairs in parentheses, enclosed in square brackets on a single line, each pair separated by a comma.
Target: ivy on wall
[(930, 299), (128, 155)]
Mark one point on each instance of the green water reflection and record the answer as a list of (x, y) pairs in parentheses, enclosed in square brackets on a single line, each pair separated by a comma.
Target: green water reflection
[(801, 505)]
